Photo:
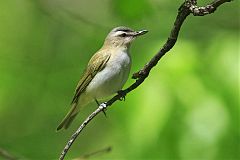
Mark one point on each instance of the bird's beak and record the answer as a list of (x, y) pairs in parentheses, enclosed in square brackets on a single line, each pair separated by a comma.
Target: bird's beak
[(139, 33)]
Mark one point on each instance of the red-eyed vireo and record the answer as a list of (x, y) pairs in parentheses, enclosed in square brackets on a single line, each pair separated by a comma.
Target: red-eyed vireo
[(106, 73)]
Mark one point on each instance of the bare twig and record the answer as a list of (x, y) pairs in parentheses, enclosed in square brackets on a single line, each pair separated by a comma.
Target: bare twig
[(84, 20), (6, 155), (208, 9), (59, 15), (188, 7), (86, 156)]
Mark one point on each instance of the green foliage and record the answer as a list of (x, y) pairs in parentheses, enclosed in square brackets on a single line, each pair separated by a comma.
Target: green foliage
[(131, 10), (188, 108)]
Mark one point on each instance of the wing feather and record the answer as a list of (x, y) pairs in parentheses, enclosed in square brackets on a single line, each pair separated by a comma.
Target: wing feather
[(95, 65)]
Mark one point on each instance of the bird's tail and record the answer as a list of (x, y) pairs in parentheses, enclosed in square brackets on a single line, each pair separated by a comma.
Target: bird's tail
[(68, 118)]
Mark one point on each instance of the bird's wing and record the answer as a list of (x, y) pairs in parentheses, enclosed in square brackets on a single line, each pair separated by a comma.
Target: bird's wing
[(95, 65)]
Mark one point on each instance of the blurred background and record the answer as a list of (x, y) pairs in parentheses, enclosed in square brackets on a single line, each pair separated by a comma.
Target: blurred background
[(187, 109)]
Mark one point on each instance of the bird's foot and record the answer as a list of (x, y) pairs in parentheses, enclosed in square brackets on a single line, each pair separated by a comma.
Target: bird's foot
[(103, 107), (122, 95)]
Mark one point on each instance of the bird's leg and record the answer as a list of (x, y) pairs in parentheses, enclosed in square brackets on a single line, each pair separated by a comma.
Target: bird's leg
[(122, 95), (101, 106)]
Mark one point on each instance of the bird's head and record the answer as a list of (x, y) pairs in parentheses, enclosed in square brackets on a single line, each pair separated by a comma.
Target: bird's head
[(122, 37)]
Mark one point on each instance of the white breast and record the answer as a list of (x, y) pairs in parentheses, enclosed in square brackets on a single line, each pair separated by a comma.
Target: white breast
[(112, 78)]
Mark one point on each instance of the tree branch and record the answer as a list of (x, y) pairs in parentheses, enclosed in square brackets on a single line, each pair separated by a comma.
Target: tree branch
[(208, 9), (188, 7)]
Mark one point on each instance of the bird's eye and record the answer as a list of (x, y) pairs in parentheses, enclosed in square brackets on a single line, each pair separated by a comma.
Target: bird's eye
[(123, 35)]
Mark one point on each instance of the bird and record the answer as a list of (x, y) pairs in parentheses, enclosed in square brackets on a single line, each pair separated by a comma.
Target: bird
[(106, 73)]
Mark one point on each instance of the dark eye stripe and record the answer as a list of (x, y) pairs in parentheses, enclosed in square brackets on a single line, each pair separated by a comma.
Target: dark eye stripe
[(123, 35)]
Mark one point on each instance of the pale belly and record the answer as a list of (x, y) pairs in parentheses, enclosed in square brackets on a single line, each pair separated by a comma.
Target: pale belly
[(111, 79)]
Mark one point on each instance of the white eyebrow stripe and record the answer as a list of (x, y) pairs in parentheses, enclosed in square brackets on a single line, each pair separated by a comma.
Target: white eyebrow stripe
[(118, 33)]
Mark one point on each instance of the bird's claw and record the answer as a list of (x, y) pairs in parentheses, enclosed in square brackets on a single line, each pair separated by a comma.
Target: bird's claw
[(122, 95)]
